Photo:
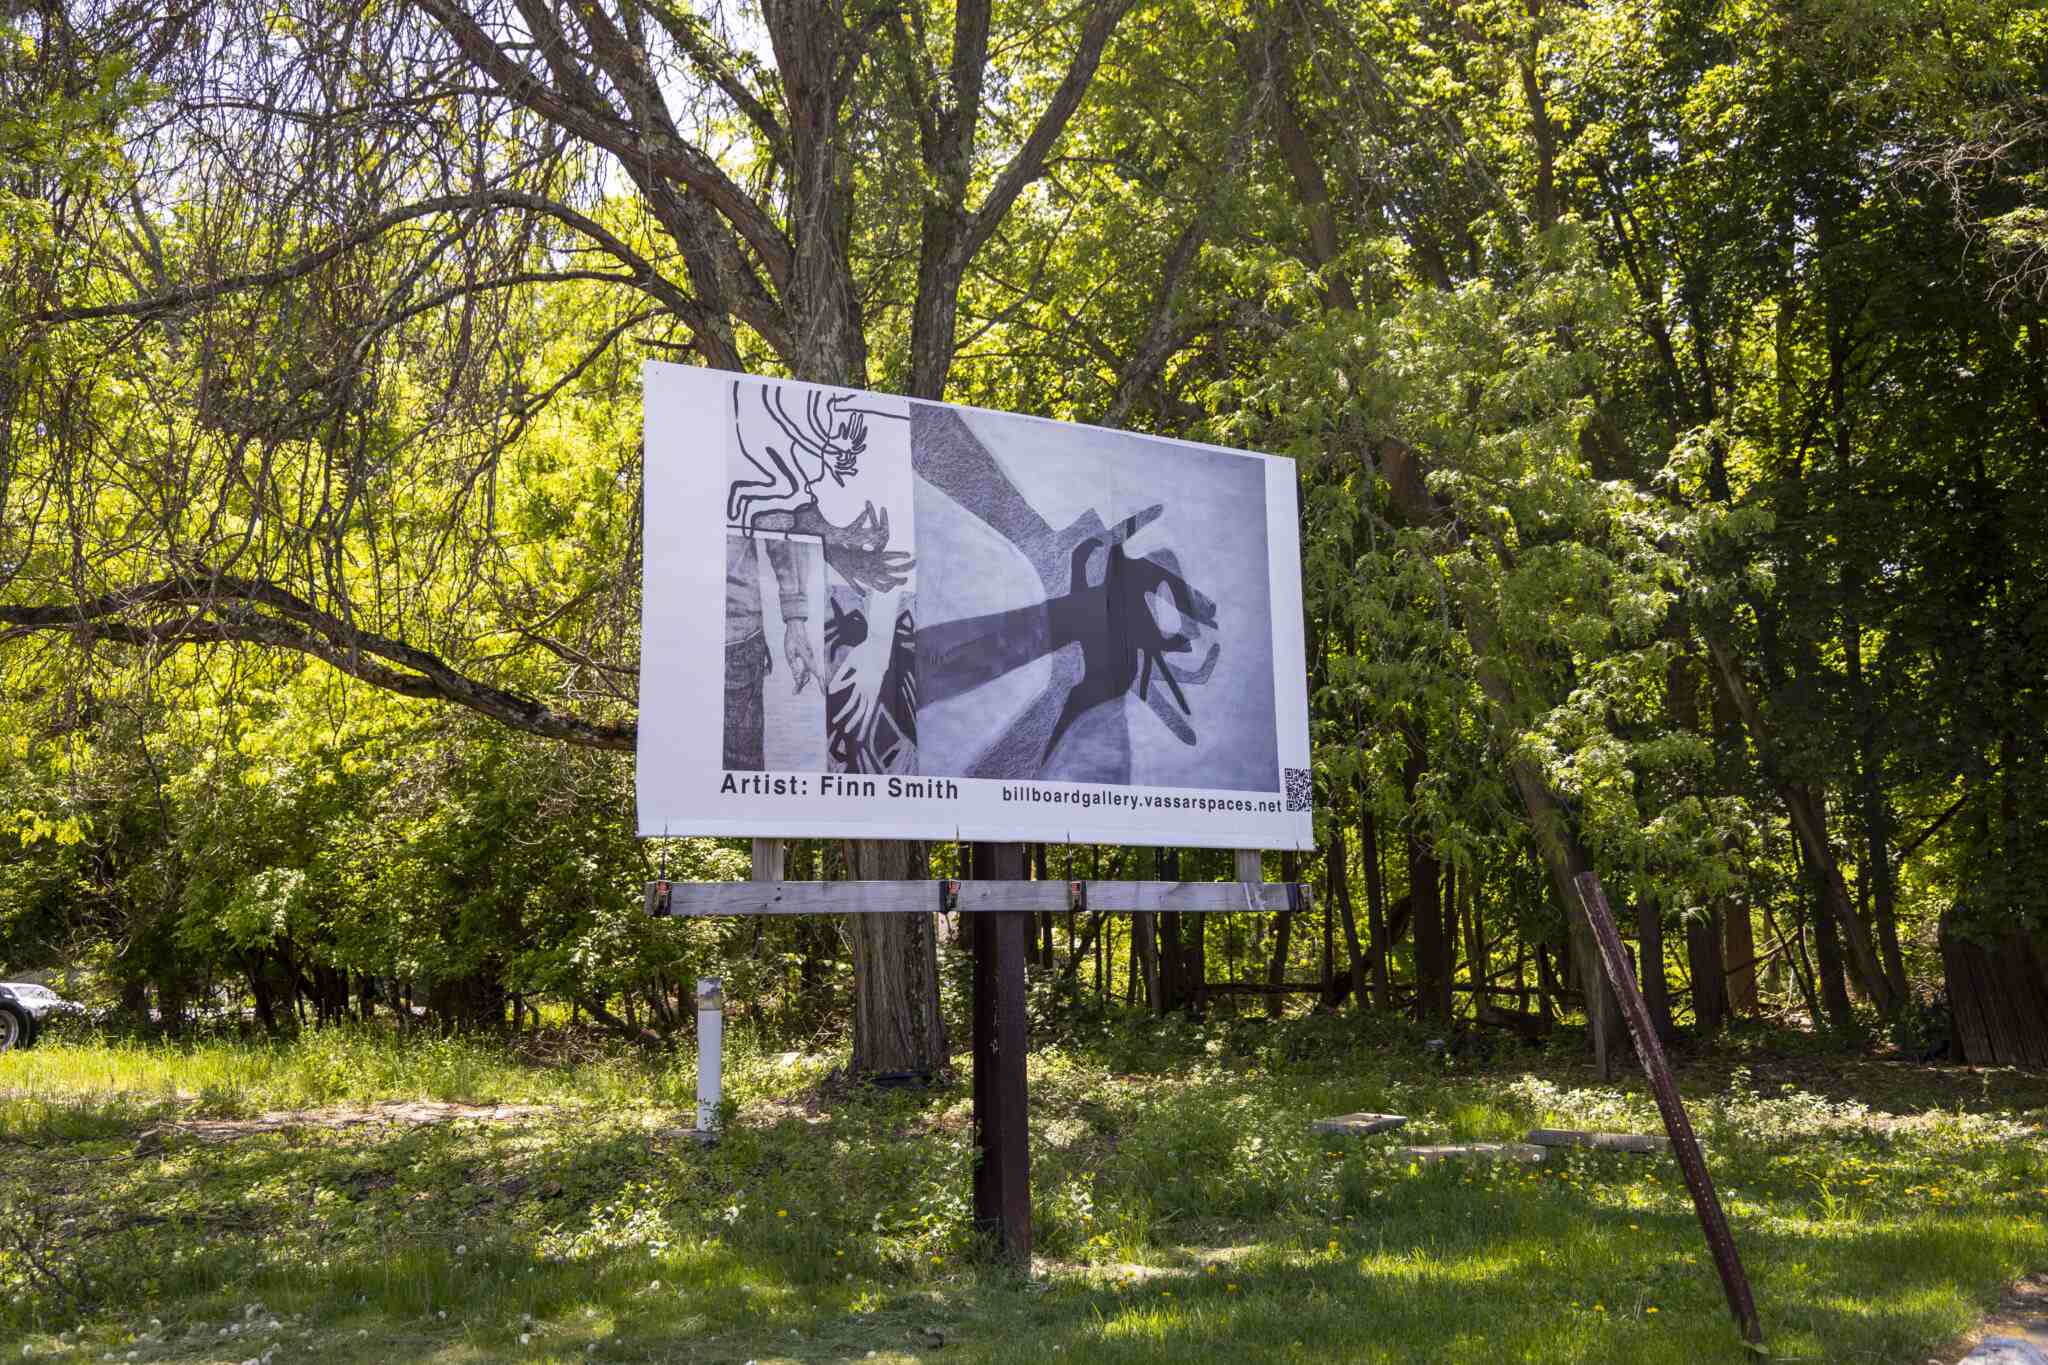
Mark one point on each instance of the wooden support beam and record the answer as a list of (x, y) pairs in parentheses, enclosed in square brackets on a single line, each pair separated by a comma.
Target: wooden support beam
[(919, 897), (1002, 1119), (769, 855)]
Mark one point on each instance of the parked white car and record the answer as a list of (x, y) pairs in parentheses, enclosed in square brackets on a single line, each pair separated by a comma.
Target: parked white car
[(25, 1009)]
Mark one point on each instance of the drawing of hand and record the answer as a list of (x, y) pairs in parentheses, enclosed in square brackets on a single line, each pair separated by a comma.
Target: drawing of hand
[(877, 571), (796, 647), (850, 718), (859, 551)]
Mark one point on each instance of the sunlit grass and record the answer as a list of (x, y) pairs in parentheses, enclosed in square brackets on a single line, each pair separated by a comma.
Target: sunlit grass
[(1183, 1211), (225, 1077)]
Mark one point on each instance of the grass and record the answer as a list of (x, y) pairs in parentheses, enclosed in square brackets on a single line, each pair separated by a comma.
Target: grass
[(1183, 1209)]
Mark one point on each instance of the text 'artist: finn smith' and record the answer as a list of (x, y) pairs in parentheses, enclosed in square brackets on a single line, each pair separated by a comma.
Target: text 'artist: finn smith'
[(838, 786)]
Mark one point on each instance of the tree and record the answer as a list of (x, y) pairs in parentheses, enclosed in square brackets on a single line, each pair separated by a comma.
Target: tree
[(357, 183)]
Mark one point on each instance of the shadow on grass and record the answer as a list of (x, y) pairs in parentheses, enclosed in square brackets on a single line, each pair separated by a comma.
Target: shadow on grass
[(1221, 1228)]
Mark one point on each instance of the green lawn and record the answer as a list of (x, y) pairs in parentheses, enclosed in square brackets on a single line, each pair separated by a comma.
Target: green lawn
[(1183, 1209)]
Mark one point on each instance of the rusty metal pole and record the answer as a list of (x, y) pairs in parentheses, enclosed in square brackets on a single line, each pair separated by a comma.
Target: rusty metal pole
[(1684, 1145)]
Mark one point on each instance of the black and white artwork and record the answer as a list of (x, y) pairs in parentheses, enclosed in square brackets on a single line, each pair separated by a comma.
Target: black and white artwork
[(944, 622), (1094, 608), (818, 490), (774, 648)]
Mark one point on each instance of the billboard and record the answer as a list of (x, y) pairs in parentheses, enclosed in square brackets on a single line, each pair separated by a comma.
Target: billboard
[(867, 616)]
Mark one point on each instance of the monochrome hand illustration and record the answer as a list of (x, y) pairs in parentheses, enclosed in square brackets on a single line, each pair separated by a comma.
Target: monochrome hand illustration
[(871, 699), (796, 648)]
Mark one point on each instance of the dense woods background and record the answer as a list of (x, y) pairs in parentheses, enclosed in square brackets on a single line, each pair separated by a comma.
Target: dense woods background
[(1668, 383)]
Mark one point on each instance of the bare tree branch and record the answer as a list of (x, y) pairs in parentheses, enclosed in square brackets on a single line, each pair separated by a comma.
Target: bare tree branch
[(221, 609)]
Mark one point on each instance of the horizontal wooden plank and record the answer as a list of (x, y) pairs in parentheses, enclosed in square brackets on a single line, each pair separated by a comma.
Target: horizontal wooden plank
[(884, 898)]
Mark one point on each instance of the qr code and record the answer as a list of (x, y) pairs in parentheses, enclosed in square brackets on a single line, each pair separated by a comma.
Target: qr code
[(1299, 789)]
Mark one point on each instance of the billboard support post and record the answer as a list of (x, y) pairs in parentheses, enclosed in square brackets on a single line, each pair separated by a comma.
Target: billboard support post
[(1002, 1118), (999, 907), (929, 622)]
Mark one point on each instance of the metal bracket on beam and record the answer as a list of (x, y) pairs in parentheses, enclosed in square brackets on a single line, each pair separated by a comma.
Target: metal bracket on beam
[(949, 895), (1077, 896), (1297, 896), (658, 898)]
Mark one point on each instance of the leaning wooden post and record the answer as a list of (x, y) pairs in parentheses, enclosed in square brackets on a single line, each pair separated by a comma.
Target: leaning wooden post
[(1002, 1119), (1683, 1144)]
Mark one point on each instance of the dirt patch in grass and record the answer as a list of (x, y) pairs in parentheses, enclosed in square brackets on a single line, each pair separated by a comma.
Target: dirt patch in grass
[(413, 1112), (2021, 1314)]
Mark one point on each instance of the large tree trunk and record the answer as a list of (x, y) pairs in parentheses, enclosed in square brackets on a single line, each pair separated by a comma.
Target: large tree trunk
[(1834, 987), (1739, 956), (1998, 993), (1878, 880), (1145, 949), (259, 986), (1276, 968), (475, 1002), (1425, 890), (1340, 892), (1650, 955), (1807, 808), (1709, 975), (896, 1022)]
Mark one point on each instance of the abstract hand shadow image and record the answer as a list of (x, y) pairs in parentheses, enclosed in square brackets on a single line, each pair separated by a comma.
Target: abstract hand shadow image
[(871, 704), (797, 457), (1066, 655)]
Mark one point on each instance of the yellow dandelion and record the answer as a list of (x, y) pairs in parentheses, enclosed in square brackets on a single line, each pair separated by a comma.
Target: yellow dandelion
[(1230, 1289), (1651, 1309), (782, 1213)]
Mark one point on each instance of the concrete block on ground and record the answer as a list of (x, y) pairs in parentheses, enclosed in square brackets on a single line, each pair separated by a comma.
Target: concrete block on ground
[(1357, 1125), (1606, 1142), (2005, 1351), (1473, 1151)]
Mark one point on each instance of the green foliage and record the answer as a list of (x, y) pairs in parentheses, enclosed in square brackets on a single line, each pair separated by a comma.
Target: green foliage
[(1183, 1208), (1703, 331)]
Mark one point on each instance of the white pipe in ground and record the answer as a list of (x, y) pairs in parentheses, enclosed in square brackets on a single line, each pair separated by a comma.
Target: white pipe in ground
[(710, 1050)]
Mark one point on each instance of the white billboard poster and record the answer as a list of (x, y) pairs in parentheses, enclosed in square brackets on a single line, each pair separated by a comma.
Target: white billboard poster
[(873, 617)]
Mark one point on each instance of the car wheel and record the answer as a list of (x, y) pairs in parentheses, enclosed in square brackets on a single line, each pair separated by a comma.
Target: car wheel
[(15, 1029)]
